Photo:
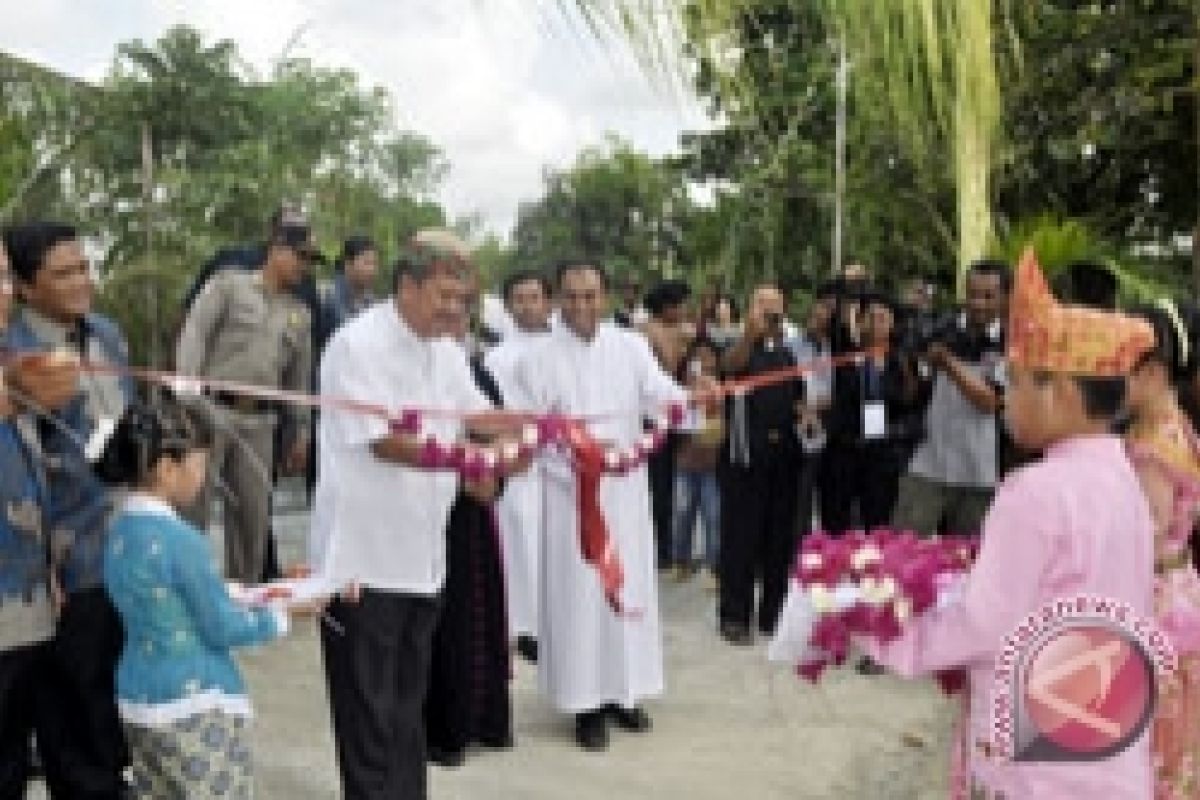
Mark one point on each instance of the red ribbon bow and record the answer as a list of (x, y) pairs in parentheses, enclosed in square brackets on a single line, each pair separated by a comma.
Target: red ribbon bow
[(594, 541)]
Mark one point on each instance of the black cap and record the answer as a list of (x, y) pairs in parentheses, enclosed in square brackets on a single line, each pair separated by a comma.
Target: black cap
[(290, 227)]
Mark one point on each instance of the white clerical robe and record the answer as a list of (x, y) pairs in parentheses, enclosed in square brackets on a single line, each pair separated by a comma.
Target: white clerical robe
[(588, 655), (519, 509)]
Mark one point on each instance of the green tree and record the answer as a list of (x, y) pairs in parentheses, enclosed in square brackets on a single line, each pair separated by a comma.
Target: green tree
[(615, 205), (1101, 124), (963, 117), (777, 93), (931, 64), (183, 149), (42, 117)]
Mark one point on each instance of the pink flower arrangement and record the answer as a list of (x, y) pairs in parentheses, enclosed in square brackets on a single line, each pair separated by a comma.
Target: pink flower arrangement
[(871, 584)]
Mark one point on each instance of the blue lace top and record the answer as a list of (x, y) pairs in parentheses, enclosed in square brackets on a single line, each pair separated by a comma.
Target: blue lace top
[(180, 622)]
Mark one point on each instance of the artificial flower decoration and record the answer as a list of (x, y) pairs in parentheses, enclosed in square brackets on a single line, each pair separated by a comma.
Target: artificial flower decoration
[(865, 584)]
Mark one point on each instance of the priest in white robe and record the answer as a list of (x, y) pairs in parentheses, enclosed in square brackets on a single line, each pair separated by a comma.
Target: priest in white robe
[(519, 509), (595, 663)]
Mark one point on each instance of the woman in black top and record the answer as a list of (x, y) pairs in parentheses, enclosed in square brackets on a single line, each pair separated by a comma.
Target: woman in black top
[(874, 419)]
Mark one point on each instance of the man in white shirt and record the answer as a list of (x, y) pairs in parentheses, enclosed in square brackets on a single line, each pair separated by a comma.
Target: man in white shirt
[(595, 663), (379, 522), (519, 509)]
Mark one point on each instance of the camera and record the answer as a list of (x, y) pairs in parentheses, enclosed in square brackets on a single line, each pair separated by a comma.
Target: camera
[(918, 331)]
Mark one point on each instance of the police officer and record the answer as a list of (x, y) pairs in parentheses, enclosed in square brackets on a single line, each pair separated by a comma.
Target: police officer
[(249, 328)]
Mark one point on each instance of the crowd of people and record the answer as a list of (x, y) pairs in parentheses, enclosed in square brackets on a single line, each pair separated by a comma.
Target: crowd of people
[(117, 626)]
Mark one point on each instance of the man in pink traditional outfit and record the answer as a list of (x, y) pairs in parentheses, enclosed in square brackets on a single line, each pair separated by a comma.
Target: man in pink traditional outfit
[(1076, 522)]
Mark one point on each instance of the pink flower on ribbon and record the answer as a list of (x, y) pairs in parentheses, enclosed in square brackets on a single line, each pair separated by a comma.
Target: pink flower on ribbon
[(456, 457), (433, 455), (409, 422), (473, 466), (551, 428)]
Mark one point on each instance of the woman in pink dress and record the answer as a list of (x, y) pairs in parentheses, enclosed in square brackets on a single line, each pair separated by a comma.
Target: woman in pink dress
[(1166, 451)]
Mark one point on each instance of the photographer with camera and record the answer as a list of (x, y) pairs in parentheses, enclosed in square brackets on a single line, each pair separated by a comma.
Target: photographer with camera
[(759, 474), (954, 471)]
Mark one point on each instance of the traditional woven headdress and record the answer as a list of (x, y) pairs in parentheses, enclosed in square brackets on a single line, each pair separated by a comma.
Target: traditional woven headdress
[(1046, 335)]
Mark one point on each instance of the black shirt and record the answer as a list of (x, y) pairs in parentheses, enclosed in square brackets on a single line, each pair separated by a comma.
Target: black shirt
[(766, 415), (857, 384)]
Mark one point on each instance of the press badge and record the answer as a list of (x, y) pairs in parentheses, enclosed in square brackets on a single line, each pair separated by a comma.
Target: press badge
[(874, 422)]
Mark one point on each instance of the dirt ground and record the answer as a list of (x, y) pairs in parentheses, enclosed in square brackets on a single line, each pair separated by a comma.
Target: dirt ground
[(731, 725)]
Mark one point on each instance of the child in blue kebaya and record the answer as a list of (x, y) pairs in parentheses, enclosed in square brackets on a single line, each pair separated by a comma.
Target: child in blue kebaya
[(181, 698)]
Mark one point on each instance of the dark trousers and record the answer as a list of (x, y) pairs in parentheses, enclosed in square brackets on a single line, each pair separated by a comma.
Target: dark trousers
[(809, 472), (79, 734), (377, 671), (661, 469), (758, 537), (17, 670), (865, 478), (271, 567)]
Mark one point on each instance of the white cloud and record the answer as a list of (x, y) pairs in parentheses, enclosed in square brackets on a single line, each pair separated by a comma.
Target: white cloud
[(499, 85)]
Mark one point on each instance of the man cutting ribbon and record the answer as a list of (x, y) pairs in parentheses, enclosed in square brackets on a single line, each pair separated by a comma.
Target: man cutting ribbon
[(596, 664)]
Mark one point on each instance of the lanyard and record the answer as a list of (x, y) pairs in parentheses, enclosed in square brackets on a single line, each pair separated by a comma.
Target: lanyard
[(872, 383)]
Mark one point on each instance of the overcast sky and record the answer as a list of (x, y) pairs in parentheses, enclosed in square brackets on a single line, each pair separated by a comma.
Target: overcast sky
[(504, 88)]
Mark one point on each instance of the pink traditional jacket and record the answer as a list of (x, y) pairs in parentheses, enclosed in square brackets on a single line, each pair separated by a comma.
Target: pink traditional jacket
[(1074, 523)]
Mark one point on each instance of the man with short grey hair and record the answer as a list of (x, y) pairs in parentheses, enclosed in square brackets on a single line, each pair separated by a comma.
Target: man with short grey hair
[(379, 516)]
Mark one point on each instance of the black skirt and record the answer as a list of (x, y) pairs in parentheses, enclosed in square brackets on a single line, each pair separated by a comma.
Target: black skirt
[(468, 698)]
